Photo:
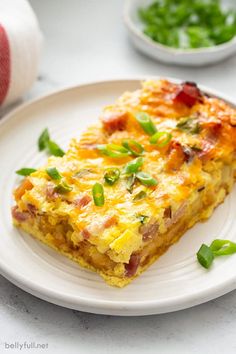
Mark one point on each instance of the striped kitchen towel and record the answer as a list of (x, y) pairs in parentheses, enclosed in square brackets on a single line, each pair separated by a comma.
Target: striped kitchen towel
[(20, 44)]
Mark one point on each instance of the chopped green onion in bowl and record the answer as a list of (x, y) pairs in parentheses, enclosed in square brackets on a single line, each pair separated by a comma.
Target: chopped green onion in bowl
[(187, 24)]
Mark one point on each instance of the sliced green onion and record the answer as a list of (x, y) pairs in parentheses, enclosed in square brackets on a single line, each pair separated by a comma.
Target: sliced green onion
[(160, 139), (188, 24), (98, 194), (146, 179), (134, 147), (140, 196), (113, 150), (223, 247), (130, 181), (142, 218), (54, 149), (196, 148), (111, 175), (25, 171), (63, 188), (188, 124), (53, 173), (217, 248), (146, 123), (43, 140), (133, 166), (83, 172), (205, 256)]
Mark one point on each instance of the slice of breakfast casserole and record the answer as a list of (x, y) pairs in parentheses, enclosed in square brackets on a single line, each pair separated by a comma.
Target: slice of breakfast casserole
[(160, 159)]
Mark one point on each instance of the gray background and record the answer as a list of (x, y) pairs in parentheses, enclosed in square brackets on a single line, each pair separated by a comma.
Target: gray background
[(86, 40)]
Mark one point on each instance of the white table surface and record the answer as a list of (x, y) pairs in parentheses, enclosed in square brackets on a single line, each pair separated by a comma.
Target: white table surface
[(86, 40)]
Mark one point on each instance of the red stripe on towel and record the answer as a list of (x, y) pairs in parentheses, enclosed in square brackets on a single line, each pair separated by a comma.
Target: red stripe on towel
[(4, 64)]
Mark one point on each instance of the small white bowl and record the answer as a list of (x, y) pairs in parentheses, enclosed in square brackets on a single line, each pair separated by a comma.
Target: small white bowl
[(189, 57)]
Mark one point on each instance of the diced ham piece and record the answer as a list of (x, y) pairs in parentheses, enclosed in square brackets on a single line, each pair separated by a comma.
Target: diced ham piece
[(113, 121), (110, 221), (50, 193), (168, 212), (149, 230), (232, 120), (188, 94), (176, 156), (19, 215), (132, 266), (208, 145), (207, 152), (32, 209), (85, 233), (82, 201), (213, 129), (176, 215), (188, 153)]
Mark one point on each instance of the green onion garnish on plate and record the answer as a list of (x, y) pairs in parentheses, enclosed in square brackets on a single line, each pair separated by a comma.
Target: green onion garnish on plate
[(133, 147), (54, 149), (111, 175), (146, 123), (53, 173), (25, 171), (218, 247), (160, 139), (45, 143), (223, 247), (43, 140), (205, 256)]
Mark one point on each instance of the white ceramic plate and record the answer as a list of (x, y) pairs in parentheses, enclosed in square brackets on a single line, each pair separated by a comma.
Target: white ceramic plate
[(189, 57), (174, 282)]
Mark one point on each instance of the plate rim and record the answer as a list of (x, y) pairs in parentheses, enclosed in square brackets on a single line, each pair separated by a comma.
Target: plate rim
[(108, 307)]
